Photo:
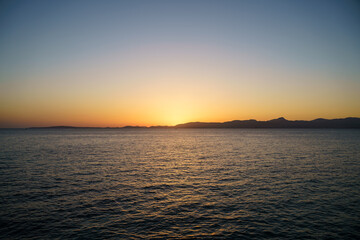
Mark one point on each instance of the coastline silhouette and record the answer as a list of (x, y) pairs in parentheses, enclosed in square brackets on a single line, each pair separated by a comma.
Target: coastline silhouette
[(350, 122)]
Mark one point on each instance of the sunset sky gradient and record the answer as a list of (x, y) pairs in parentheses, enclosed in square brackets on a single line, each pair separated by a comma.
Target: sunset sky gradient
[(117, 63)]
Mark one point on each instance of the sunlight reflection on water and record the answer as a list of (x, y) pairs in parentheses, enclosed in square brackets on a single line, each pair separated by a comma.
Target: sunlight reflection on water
[(200, 183)]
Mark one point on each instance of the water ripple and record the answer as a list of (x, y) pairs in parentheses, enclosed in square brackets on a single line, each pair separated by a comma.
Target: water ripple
[(180, 184)]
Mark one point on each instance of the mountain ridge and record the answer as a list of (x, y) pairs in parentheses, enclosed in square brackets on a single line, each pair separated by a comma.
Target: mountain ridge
[(281, 122), (349, 122)]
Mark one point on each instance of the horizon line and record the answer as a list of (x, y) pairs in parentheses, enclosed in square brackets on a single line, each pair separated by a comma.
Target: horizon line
[(173, 126)]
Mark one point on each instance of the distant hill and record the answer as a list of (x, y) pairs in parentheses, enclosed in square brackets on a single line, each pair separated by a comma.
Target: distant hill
[(350, 122), (278, 123), (53, 127)]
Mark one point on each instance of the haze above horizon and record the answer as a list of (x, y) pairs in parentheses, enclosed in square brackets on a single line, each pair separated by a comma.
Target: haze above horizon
[(117, 63)]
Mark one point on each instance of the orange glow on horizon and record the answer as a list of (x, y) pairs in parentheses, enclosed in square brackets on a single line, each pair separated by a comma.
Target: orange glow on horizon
[(172, 96)]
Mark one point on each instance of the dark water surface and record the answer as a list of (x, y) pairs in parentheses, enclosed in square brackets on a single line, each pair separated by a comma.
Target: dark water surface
[(185, 183)]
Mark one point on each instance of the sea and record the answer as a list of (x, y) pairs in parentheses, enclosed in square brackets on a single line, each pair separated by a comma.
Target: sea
[(180, 184)]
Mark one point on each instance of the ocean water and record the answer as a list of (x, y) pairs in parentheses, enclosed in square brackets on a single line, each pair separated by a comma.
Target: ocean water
[(180, 184)]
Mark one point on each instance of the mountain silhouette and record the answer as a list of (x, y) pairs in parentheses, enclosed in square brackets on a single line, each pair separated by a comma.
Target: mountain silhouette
[(350, 122), (277, 123)]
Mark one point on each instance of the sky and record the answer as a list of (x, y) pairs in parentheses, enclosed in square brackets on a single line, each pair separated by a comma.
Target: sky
[(117, 63)]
